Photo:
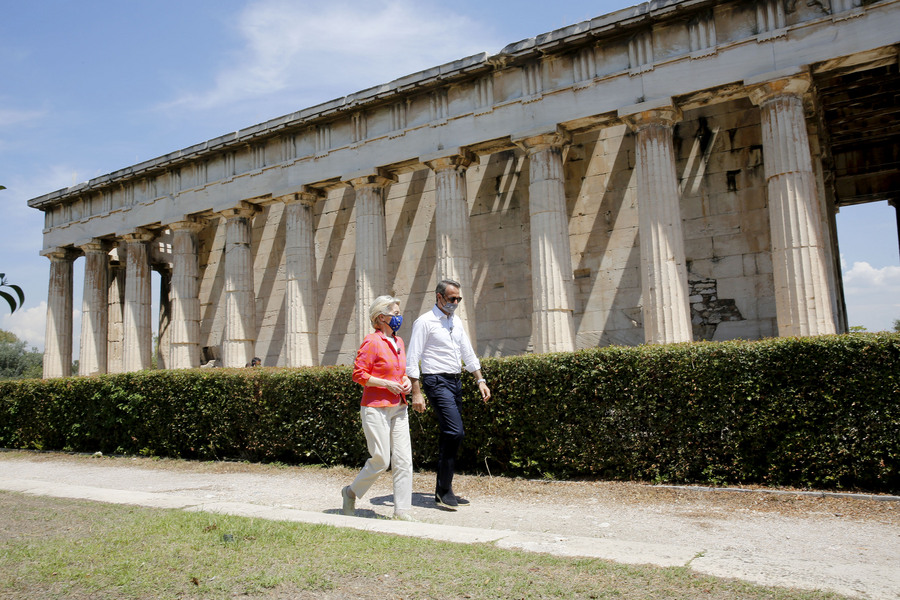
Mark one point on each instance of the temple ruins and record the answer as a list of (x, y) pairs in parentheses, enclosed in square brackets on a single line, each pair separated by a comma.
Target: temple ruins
[(665, 173)]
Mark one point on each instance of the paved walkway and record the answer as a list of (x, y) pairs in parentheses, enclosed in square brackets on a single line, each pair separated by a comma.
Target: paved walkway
[(847, 545)]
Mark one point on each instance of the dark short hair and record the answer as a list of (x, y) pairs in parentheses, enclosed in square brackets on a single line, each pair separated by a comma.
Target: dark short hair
[(443, 284)]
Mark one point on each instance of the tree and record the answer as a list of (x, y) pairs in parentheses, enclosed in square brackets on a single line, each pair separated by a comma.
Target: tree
[(16, 361), (896, 324), (14, 303)]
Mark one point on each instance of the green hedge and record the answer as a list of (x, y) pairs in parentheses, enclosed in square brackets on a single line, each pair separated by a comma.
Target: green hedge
[(811, 412)]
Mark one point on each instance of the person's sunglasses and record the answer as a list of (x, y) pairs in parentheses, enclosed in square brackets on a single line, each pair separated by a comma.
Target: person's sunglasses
[(454, 299)]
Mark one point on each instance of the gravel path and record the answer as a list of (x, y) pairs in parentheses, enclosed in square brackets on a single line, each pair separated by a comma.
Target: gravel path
[(847, 545)]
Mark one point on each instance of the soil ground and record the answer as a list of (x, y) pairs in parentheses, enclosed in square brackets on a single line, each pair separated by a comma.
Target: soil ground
[(845, 543)]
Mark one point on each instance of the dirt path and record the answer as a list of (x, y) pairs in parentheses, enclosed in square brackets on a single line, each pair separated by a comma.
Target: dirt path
[(851, 546)]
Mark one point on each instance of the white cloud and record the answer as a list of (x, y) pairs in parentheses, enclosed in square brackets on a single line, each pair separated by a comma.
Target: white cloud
[(310, 50), (872, 295), (28, 324), (9, 117)]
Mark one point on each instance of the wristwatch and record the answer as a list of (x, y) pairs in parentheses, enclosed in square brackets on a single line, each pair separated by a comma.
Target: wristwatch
[(482, 380)]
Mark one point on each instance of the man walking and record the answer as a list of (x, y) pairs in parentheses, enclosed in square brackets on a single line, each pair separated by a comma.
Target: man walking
[(438, 346)]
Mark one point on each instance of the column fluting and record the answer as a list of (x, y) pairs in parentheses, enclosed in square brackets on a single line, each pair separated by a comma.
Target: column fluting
[(137, 329), (553, 328), (301, 338), (94, 309), (184, 350), (239, 341), (666, 311), (451, 219), (58, 338), (371, 244), (802, 298)]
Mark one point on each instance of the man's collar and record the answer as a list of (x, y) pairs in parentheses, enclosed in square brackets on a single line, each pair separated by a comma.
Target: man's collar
[(439, 313)]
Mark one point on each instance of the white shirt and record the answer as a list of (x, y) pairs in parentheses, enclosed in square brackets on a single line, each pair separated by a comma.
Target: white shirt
[(441, 344)]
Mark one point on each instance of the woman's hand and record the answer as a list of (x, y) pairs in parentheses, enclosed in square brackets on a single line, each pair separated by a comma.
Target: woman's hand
[(407, 384)]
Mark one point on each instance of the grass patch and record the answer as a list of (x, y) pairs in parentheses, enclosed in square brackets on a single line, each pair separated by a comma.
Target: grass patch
[(57, 548)]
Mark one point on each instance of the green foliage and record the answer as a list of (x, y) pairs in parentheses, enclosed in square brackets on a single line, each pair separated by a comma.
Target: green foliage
[(809, 412), (16, 361), (15, 302)]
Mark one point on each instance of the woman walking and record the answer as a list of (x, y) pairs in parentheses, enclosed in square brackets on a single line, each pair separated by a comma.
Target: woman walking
[(380, 367)]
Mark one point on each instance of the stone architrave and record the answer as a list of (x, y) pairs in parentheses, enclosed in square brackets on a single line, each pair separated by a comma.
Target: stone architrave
[(137, 338), (116, 311), (184, 350), (371, 243), (239, 343), (802, 300), (94, 309), (666, 311), (58, 339), (301, 338), (553, 327), (451, 219)]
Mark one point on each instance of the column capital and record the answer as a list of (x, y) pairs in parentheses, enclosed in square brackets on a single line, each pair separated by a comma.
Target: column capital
[(303, 194), (456, 159), (136, 236), (188, 223), (764, 88), (243, 210), (58, 253), (655, 112), (93, 245), (376, 177), (543, 138)]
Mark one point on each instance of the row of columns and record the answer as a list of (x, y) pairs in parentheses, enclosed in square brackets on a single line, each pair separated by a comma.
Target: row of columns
[(799, 260)]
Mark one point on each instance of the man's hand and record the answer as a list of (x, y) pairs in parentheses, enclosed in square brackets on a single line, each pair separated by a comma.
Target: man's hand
[(485, 391), (418, 401)]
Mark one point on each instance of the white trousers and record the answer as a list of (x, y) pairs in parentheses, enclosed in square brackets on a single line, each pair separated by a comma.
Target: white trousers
[(387, 437)]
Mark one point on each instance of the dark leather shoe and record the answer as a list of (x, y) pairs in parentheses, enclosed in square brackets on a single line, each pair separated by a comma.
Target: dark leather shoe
[(447, 501)]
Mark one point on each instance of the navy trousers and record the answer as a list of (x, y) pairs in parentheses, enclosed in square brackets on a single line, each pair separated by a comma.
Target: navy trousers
[(445, 394)]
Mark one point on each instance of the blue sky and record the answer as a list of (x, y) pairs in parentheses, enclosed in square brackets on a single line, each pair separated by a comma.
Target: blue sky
[(93, 86)]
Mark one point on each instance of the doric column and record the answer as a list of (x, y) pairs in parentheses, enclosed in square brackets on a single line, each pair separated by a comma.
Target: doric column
[(551, 260), (371, 243), (301, 337), (137, 330), (802, 298), (451, 219), (58, 339), (185, 297), (116, 313), (239, 341), (94, 308), (664, 287)]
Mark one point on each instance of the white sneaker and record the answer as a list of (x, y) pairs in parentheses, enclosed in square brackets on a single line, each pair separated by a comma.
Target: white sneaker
[(402, 515), (349, 507)]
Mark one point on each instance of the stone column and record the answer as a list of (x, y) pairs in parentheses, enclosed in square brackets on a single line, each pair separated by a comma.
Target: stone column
[(58, 339), (802, 297), (664, 286), (239, 341), (185, 296), (451, 219), (301, 337), (551, 261), (116, 312), (137, 330), (94, 308), (371, 243)]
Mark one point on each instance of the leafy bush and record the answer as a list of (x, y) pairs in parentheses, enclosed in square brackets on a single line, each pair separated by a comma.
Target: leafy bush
[(811, 412)]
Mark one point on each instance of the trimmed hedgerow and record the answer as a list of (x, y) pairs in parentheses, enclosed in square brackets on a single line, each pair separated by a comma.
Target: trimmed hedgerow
[(818, 412)]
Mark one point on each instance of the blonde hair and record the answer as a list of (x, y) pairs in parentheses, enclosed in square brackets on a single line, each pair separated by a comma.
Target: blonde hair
[(380, 307)]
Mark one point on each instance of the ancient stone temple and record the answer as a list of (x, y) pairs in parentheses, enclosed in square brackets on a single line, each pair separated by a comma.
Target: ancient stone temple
[(665, 173)]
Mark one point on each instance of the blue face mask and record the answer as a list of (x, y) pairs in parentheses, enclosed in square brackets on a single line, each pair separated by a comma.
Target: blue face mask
[(396, 322)]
